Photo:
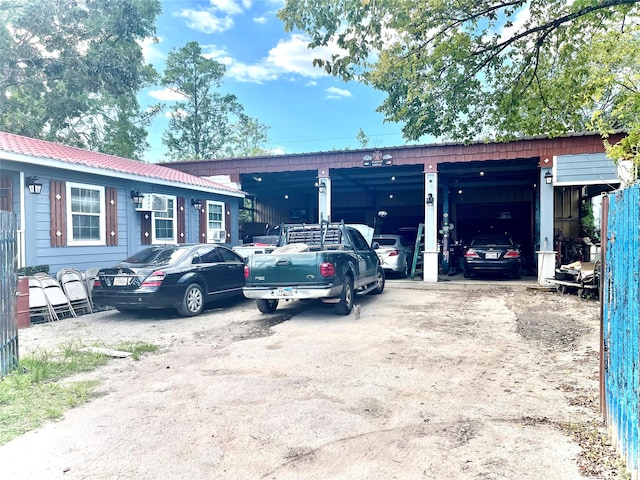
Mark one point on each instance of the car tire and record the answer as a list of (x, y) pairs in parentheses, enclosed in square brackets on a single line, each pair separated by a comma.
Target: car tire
[(344, 306), (192, 302), (267, 306), (380, 280), (405, 272)]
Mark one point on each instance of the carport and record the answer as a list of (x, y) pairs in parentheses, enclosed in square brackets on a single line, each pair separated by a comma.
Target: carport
[(454, 190)]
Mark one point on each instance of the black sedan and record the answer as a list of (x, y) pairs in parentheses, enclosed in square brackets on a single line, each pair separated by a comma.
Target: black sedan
[(492, 254), (184, 277)]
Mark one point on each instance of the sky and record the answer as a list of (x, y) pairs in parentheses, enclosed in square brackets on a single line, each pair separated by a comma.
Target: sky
[(271, 73)]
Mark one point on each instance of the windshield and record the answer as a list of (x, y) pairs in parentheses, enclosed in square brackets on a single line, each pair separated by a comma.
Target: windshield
[(491, 240), (387, 242), (156, 256)]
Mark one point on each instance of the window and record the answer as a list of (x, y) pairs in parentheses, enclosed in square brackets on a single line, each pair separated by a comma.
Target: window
[(164, 223), (85, 214), (215, 222)]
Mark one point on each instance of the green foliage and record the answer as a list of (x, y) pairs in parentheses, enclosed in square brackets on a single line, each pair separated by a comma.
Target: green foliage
[(34, 393), (28, 271), (587, 221), (70, 71), (473, 70), (206, 123)]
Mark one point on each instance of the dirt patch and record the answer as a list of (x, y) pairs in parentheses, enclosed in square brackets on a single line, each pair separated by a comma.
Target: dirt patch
[(425, 383)]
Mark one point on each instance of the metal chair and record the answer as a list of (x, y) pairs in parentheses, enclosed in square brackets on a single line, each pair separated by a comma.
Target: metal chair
[(55, 296), (39, 308), (73, 285)]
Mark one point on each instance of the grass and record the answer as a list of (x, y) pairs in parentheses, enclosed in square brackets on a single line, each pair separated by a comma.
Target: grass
[(33, 393)]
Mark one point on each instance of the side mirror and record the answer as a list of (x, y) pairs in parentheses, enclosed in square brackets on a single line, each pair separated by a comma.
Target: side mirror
[(375, 245)]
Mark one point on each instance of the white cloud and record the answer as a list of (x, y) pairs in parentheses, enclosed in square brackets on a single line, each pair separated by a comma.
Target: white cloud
[(166, 95), (220, 55), (289, 56), (229, 7), (150, 50), (260, 20), (205, 21), (334, 93)]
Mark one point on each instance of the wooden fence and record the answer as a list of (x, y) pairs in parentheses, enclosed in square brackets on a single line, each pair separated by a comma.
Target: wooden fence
[(620, 318), (8, 287)]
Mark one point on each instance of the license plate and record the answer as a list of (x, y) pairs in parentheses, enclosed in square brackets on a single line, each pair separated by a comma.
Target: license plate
[(491, 255), (284, 292), (120, 281)]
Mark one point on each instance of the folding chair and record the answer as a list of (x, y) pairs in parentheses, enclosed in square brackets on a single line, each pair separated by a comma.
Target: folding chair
[(56, 296), (39, 308), (74, 288)]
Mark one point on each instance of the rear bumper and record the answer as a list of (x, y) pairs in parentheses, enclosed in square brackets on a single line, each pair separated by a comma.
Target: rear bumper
[(292, 293), (136, 299), (494, 266)]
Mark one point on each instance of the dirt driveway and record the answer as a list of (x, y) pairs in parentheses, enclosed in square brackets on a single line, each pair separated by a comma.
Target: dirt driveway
[(455, 383)]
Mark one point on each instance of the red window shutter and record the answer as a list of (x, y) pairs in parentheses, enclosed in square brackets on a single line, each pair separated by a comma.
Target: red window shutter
[(182, 234), (58, 202), (111, 215), (227, 222), (145, 228)]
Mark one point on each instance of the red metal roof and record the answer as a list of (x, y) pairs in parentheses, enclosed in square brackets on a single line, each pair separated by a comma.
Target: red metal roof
[(20, 145)]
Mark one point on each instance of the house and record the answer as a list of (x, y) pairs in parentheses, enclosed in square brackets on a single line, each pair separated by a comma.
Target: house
[(83, 209)]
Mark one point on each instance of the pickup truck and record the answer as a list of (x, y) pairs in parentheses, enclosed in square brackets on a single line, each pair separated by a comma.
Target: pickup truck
[(332, 262)]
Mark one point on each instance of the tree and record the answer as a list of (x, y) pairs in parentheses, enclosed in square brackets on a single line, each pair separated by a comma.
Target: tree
[(70, 71), (469, 70), (206, 124)]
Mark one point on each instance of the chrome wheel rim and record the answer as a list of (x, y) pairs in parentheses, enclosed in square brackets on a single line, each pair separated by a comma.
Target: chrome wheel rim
[(194, 300)]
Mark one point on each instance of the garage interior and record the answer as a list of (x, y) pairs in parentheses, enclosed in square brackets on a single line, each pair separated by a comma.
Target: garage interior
[(480, 197)]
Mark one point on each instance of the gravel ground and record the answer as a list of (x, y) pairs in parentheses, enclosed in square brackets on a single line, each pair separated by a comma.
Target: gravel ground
[(454, 382)]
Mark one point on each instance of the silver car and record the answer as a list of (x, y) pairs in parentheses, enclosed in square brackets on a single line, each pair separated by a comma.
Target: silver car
[(394, 252)]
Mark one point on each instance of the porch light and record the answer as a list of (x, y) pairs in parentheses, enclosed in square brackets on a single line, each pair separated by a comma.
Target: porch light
[(321, 186), (34, 185), (548, 177), (137, 197), (197, 204)]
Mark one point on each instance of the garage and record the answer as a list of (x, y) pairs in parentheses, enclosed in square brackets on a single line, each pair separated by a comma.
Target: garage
[(476, 188)]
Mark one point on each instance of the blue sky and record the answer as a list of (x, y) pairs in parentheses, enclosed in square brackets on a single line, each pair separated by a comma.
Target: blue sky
[(271, 74)]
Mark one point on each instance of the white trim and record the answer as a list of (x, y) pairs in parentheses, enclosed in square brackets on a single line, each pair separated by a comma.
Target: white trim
[(216, 235), (69, 214), (174, 219)]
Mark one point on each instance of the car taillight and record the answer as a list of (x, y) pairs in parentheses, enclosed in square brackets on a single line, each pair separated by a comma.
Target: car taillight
[(246, 272), (96, 282), (394, 253), (154, 280), (327, 269), (512, 254), (471, 254)]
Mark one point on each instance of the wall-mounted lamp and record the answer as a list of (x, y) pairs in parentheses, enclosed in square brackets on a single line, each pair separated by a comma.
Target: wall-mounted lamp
[(137, 197), (548, 177), (34, 185), (430, 199), (197, 203), (321, 186)]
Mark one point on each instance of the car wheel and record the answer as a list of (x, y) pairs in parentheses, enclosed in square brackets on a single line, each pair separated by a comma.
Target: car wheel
[(405, 271), (192, 301), (267, 306), (379, 282), (344, 306)]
